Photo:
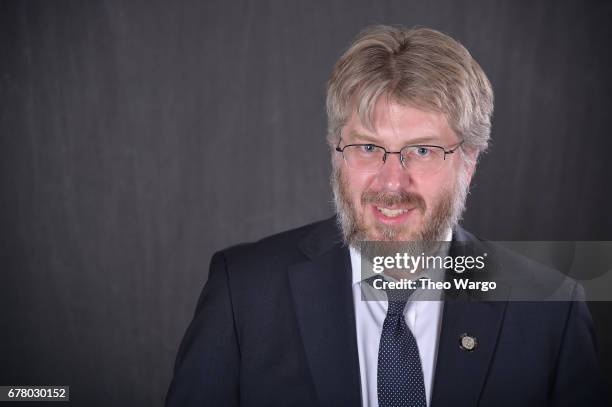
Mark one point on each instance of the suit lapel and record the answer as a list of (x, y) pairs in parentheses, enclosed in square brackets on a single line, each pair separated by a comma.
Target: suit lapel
[(323, 300), (460, 374)]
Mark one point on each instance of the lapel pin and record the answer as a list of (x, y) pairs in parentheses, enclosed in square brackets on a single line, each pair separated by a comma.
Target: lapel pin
[(467, 343)]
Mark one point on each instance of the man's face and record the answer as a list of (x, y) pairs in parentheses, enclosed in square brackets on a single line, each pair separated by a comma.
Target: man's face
[(397, 203)]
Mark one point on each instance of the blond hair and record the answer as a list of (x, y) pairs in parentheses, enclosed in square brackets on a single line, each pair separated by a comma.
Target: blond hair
[(421, 67)]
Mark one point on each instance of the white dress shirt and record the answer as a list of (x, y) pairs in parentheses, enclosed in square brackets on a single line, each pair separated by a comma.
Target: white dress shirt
[(422, 317)]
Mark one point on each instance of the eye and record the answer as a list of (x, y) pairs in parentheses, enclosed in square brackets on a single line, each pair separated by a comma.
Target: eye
[(368, 148), (422, 151)]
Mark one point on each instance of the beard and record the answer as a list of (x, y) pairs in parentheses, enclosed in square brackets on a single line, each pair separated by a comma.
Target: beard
[(379, 239)]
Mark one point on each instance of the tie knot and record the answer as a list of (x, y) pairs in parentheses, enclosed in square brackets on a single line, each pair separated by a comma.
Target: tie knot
[(399, 294), (396, 297), (396, 307)]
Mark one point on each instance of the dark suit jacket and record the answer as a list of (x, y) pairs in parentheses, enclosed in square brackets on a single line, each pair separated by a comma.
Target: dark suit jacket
[(275, 326)]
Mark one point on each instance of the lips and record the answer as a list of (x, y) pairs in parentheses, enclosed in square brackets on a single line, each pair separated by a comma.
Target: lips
[(391, 213), (393, 208)]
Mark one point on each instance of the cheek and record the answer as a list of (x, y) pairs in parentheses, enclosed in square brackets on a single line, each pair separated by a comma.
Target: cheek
[(432, 189), (357, 184)]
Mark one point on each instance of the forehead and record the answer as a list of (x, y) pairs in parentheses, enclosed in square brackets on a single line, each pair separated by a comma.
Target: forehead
[(399, 123)]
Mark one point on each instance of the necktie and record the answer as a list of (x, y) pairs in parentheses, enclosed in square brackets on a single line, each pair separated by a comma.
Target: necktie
[(400, 374)]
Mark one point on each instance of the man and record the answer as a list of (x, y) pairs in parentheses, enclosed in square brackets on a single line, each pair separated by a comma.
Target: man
[(283, 321)]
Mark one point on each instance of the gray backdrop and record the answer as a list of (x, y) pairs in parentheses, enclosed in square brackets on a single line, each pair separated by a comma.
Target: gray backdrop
[(136, 138)]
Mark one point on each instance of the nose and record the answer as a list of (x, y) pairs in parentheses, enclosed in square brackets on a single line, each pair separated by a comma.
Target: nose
[(392, 175)]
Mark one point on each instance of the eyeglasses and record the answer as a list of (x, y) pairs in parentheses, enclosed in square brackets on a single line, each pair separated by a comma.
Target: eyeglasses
[(370, 157)]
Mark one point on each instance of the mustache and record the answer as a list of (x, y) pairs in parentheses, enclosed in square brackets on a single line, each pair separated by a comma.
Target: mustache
[(386, 198)]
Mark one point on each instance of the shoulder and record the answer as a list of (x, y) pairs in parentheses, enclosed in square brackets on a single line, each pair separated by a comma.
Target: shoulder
[(533, 270), (287, 247), (256, 274)]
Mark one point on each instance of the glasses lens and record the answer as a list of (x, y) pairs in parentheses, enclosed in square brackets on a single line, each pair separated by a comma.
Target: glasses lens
[(366, 157), (423, 158)]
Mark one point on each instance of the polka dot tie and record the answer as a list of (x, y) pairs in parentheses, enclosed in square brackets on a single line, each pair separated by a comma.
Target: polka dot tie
[(400, 374)]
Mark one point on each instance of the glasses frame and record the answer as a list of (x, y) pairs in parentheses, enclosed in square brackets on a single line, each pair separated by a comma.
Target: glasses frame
[(401, 157)]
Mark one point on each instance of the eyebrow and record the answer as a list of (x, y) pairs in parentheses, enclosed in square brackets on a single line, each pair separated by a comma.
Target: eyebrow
[(363, 138), (360, 138)]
